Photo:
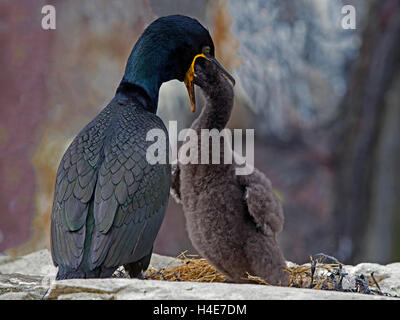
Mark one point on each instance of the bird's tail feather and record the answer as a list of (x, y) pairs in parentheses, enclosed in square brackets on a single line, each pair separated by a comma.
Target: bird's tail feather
[(101, 272)]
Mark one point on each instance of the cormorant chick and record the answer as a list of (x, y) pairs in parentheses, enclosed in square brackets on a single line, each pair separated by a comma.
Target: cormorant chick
[(232, 220)]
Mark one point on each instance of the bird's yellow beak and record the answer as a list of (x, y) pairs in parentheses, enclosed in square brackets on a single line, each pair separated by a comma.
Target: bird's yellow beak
[(189, 78), (190, 75)]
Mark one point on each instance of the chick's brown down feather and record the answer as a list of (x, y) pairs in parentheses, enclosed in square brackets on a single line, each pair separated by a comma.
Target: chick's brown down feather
[(232, 220)]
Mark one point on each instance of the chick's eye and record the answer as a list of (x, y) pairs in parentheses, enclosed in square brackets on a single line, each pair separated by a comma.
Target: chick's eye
[(206, 50)]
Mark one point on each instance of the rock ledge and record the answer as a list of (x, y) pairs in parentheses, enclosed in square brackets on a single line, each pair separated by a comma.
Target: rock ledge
[(30, 276)]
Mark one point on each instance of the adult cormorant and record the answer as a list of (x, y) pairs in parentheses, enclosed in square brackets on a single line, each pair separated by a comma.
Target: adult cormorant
[(109, 202)]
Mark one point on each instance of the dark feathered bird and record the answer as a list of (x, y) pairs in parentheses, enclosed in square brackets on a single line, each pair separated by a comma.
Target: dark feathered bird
[(109, 202), (232, 220)]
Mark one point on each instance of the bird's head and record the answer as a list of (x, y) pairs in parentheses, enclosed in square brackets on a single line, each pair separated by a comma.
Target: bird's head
[(168, 49)]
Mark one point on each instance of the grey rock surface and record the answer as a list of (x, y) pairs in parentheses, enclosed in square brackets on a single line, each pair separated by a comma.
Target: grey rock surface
[(390, 275), (36, 264), (30, 276), (132, 289)]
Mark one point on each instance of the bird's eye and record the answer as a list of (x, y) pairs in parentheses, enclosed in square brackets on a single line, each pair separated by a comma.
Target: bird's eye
[(206, 50)]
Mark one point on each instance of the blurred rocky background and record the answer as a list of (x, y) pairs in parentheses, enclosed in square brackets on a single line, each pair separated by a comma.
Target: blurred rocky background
[(324, 103)]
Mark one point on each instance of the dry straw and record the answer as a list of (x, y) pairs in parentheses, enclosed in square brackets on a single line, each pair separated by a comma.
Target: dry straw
[(195, 269)]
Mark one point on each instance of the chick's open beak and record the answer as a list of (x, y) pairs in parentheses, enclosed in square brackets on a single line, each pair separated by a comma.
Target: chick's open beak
[(190, 74)]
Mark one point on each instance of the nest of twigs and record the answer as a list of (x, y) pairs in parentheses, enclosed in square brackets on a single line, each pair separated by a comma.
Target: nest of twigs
[(315, 275), (193, 269)]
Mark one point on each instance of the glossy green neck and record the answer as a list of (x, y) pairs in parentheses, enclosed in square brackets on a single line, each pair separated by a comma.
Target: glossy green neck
[(153, 61), (163, 52)]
